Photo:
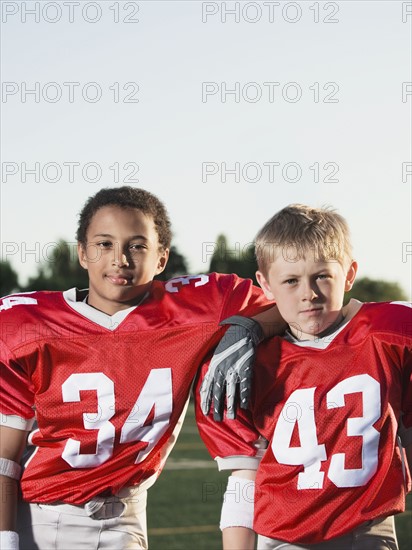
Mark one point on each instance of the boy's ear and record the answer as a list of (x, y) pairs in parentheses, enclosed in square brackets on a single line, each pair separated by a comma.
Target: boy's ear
[(261, 279), (81, 253), (162, 261), (350, 276)]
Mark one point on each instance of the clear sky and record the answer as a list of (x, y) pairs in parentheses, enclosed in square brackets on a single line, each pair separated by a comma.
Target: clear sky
[(228, 111)]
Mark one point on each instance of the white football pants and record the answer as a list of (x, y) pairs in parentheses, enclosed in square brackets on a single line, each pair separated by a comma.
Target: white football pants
[(68, 527)]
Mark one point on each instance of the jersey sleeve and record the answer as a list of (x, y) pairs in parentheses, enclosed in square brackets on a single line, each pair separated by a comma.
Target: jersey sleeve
[(234, 444), (242, 297), (16, 395)]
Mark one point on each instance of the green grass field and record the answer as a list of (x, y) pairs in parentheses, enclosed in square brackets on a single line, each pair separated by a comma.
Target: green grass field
[(184, 504)]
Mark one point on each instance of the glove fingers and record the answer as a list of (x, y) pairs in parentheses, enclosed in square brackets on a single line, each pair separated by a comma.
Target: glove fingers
[(219, 394), (245, 386), (231, 363), (206, 391), (231, 379), (214, 385)]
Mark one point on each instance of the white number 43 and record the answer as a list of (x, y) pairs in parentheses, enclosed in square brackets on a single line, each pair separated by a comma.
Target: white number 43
[(310, 453)]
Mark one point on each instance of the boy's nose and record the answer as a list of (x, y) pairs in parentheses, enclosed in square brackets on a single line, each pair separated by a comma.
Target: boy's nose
[(120, 260), (309, 293)]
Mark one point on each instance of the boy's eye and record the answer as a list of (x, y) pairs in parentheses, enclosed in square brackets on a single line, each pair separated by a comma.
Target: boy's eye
[(104, 244), (137, 247), (322, 276), (291, 281)]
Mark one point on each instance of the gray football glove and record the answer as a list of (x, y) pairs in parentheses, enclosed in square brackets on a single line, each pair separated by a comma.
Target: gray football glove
[(231, 364)]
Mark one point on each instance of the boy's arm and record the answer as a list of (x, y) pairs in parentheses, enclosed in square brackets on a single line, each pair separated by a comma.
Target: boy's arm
[(238, 538), (231, 368), (238, 502), (271, 322), (12, 443), (237, 447)]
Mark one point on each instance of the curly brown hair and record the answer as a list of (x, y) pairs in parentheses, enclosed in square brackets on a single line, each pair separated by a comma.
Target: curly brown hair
[(126, 197)]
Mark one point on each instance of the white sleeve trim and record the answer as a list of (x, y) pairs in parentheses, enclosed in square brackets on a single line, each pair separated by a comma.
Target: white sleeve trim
[(17, 422), (237, 462), (9, 540)]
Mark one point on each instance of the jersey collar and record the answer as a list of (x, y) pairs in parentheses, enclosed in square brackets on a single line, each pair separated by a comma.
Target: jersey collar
[(349, 312), (75, 299)]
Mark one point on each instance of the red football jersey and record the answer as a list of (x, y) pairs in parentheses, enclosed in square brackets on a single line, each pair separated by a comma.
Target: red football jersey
[(108, 392), (330, 410)]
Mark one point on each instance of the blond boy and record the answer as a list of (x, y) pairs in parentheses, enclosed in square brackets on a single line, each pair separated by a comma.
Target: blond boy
[(330, 398)]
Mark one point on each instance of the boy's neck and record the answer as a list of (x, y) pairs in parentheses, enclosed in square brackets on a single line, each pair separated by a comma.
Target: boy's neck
[(331, 328), (345, 315)]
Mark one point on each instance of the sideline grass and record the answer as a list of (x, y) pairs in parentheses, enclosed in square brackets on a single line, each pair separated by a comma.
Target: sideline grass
[(184, 510), (184, 504)]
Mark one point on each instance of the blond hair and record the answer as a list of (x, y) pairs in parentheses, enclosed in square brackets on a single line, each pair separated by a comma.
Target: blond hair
[(298, 230)]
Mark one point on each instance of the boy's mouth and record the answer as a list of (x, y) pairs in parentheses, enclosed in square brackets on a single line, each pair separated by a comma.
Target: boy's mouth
[(119, 280), (312, 311)]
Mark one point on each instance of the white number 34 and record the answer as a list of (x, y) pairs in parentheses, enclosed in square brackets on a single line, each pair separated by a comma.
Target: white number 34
[(310, 453), (157, 393)]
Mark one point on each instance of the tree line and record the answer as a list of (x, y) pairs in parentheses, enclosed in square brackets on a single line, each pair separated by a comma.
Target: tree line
[(63, 271)]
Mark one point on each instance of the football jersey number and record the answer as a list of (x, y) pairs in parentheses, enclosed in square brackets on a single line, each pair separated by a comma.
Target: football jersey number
[(157, 393), (11, 301), (173, 285), (299, 411)]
